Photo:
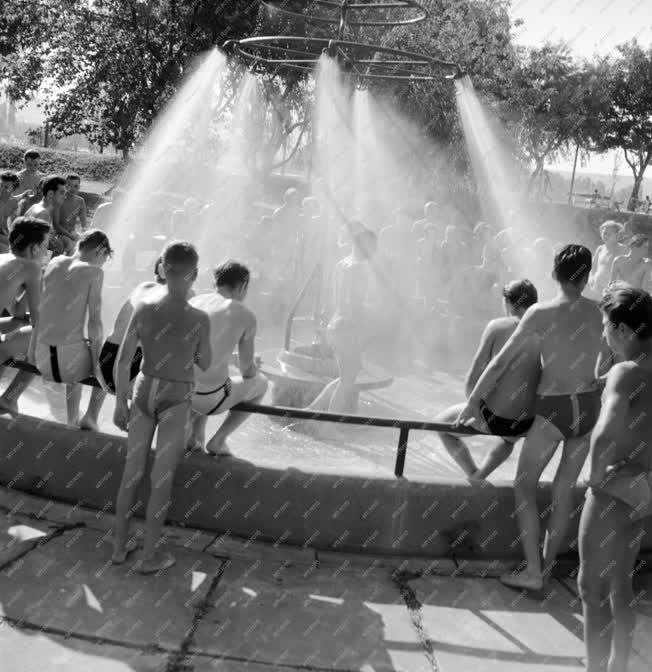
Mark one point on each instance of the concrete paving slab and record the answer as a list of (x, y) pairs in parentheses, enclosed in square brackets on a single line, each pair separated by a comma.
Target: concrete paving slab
[(480, 624), (336, 618), (226, 545), (33, 651), (69, 584), (19, 534)]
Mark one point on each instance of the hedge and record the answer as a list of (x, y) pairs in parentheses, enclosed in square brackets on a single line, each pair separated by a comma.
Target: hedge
[(89, 166)]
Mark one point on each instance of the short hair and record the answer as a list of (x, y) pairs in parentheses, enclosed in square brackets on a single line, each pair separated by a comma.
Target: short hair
[(27, 231), (179, 253), (52, 183), (638, 240), (520, 294), (611, 225), (73, 176), (630, 306), (157, 270), (231, 274), (10, 176), (93, 239), (31, 154), (572, 264)]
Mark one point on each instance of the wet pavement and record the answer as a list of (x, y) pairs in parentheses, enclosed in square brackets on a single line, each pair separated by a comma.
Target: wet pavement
[(234, 605)]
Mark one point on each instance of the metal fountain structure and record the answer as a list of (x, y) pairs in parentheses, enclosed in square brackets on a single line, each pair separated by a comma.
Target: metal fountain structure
[(304, 370)]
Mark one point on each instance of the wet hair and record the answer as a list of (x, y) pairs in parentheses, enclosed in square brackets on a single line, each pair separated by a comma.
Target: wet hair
[(638, 240), (231, 274), (611, 225), (31, 154), (52, 183), (73, 176), (92, 239), (9, 176), (633, 307), (572, 264), (179, 253), (520, 294), (27, 231)]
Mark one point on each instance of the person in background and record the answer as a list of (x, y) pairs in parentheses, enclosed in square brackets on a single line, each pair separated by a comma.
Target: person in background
[(8, 207), (54, 193), (633, 268), (30, 175), (610, 232), (619, 495), (30, 198), (174, 337), (72, 215)]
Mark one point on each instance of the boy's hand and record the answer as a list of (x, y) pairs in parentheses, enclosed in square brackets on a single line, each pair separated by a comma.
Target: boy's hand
[(121, 415)]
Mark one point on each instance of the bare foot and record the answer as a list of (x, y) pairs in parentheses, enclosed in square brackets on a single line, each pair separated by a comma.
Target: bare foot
[(89, 424), (120, 554), (156, 564), (524, 580), (217, 447), (8, 408)]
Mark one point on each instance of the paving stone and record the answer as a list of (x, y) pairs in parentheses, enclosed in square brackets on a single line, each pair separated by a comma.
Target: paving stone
[(69, 584), (482, 625), (18, 535), (339, 618), (226, 546), (29, 651)]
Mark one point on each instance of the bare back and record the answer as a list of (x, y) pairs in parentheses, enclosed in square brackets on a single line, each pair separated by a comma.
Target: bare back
[(515, 394), (15, 274), (70, 286), (39, 211), (170, 333), (569, 334), (232, 324), (146, 291)]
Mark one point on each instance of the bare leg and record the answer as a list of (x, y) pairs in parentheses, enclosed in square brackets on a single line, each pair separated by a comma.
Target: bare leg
[(139, 442), (90, 419), (573, 457), (15, 347), (197, 437), (538, 448), (496, 457), (323, 401), (453, 444), (217, 445), (170, 446), (608, 544), (73, 399)]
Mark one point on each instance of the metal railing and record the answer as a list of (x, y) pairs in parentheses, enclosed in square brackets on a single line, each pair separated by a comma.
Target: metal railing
[(404, 426)]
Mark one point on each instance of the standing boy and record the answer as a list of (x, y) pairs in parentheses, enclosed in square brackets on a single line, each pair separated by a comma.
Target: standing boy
[(174, 337), (73, 214), (29, 176), (8, 207)]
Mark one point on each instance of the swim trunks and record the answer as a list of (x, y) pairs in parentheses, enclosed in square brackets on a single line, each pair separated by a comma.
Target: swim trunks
[(631, 484), (504, 426), (210, 402), (229, 394), (572, 414), (70, 363), (108, 358), (153, 396)]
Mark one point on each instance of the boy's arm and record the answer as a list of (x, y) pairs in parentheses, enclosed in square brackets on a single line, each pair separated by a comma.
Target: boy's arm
[(82, 214), (481, 359), (95, 334), (125, 357), (612, 423), (33, 292), (596, 261), (204, 353), (606, 359), (246, 352), (614, 270)]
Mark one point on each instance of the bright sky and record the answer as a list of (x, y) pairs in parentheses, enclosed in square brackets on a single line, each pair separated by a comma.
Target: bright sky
[(590, 27)]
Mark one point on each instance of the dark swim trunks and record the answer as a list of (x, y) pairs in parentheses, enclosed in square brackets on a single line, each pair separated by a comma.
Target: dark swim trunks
[(108, 357), (504, 426), (572, 414)]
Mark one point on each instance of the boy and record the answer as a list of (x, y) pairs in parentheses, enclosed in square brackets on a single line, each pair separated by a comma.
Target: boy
[(72, 289), (73, 214), (507, 410), (54, 191), (633, 268), (610, 232), (232, 324), (20, 274), (173, 336), (566, 333), (30, 198), (30, 176), (8, 207)]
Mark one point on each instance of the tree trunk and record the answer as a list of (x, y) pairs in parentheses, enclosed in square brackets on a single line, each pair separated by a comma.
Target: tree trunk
[(125, 153), (633, 199)]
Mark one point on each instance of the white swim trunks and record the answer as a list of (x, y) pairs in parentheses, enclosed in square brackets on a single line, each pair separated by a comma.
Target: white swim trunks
[(70, 363)]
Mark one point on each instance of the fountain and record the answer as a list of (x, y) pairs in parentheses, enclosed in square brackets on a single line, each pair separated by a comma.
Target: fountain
[(342, 68)]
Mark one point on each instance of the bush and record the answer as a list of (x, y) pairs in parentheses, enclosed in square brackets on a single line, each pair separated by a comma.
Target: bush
[(89, 166)]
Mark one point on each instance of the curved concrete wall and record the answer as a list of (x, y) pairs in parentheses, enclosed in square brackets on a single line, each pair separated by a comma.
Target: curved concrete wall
[(345, 513)]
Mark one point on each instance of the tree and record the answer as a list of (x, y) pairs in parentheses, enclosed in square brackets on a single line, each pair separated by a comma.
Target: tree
[(627, 123)]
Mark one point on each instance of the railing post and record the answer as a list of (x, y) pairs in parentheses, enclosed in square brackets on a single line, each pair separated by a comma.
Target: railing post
[(401, 451)]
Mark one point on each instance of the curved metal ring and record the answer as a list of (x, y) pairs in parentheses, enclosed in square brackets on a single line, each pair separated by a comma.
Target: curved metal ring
[(302, 53), (356, 7)]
